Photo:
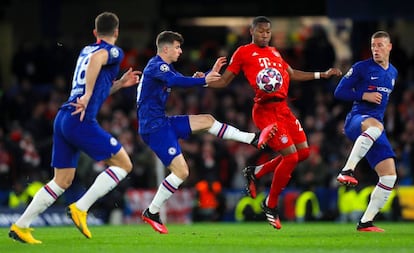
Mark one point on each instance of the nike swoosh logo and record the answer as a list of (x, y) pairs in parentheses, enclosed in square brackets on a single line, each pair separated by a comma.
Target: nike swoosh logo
[(374, 77)]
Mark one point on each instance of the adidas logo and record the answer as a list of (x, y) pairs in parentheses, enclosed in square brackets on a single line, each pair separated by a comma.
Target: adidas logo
[(254, 54)]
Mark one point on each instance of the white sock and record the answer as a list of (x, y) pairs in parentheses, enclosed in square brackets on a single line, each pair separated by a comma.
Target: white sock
[(228, 132), (361, 146), (104, 183), (379, 197), (258, 169), (164, 192), (43, 198)]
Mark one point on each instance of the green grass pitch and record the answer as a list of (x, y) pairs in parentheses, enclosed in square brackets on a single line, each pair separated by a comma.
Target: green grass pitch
[(220, 237)]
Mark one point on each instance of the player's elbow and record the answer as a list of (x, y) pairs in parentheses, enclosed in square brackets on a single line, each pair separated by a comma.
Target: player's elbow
[(338, 94)]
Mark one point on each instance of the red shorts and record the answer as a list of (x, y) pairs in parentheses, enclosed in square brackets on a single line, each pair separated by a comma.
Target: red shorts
[(289, 129)]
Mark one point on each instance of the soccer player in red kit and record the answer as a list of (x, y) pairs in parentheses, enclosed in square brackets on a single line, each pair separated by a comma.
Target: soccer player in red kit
[(271, 108)]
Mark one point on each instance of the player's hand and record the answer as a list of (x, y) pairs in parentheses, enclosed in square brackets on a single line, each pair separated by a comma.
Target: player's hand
[(80, 106), (373, 97), (212, 77), (220, 62), (130, 78), (331, 72), (199, 74)]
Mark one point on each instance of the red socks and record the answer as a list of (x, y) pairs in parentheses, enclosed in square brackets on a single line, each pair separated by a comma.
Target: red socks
[(281, 178), (269, 166)]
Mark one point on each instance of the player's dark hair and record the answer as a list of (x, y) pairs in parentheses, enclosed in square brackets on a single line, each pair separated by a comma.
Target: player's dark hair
[(168, 37), (106, 23), (381, 34), (260, 19)]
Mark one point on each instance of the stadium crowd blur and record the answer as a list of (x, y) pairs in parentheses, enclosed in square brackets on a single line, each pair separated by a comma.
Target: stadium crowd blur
[(42, 80)]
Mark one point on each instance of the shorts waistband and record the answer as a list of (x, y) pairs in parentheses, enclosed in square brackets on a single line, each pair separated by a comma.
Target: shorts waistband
[(270, 100)]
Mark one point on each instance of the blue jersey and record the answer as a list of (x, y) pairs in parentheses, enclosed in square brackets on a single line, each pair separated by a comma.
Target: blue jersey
[(106, 77), (367, 76), (153, 91), (70, 135)]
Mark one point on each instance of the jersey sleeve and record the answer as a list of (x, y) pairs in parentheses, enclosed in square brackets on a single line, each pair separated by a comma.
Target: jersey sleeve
[(236, 61), (176, 79), (115, 55), (347, 89)]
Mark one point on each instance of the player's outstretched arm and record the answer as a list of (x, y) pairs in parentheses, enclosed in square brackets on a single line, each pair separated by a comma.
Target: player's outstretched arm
[(220, 62), (223, 81), (129, 78), (299, 75), (331, 72), (212, 76)]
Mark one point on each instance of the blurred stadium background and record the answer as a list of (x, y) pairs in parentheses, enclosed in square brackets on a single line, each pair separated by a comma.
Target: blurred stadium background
[(39, 42)]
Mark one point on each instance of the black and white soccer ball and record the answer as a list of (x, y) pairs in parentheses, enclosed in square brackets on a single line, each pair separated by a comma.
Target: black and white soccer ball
[(269, 80)]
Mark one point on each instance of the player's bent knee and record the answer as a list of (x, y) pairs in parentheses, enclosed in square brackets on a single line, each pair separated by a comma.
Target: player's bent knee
[(128, 167), (292, 157), (373, 132), (303, 154), (183, 174), (209, 118), (63, 183), (64, 177)]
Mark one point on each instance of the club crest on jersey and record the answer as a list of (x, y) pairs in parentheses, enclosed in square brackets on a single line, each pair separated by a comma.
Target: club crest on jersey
[(349, 73), (284, 139), (113, 141), (172, 151), (114, 52), (164, 67)]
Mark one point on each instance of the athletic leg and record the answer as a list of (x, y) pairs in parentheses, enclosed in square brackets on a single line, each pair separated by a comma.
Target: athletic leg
[(206, 122), (44, 198), (371, 131)]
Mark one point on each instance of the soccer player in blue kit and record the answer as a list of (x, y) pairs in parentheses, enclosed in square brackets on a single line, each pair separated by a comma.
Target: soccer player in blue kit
[(76, 129), (161, 132), (369, 84)]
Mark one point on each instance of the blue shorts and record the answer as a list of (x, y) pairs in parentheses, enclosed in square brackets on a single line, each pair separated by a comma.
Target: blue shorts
[(71, 136), (164, 141), (380, 150)]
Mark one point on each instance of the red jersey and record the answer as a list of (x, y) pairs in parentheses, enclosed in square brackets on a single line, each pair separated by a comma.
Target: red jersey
[(251, 59), (268, 108)]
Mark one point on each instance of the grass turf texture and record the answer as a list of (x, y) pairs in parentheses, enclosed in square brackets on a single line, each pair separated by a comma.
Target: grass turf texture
[(220, 237)]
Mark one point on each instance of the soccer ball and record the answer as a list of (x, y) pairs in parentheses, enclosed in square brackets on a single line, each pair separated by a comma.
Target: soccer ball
[(269, 80)]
